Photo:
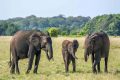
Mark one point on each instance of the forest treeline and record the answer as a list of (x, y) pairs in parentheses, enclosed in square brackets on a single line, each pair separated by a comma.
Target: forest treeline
[(62, 25)]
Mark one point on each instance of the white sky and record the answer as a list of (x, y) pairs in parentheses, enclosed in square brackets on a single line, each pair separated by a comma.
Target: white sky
[(49, 8)]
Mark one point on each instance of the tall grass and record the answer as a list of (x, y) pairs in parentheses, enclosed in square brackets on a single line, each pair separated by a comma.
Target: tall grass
[(54, 70)]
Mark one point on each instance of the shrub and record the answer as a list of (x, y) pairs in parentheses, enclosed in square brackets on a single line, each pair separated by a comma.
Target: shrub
[(53, 31)]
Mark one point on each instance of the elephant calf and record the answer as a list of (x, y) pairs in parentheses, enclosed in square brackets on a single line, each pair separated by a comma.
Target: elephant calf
[(97, 44), (68, 51)]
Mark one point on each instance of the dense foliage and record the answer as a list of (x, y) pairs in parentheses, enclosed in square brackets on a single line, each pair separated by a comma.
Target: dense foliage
[(64, 25), (108, 23), (53, 31)]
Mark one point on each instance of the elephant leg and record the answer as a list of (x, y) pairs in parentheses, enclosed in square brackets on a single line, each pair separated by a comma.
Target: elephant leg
[(47, 56), (67, 65), (38, 54), (94, 67), (66, 62), (74, 65), (12, 71), (98, 66), (30, 63), (94, 63), (16, 65), (63, 54), (92, 58), (17, 68), (106, 61)]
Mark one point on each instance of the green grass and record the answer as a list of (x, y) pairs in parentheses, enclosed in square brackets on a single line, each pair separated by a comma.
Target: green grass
[(54, 70)]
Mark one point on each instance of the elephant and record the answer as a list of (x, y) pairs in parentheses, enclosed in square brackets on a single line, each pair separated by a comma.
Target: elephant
[(68, 52), (27, 44), (97, 44)]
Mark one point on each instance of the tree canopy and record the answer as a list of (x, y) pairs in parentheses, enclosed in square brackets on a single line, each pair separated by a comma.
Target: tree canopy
[(41, 23), (108, 23), (66, 25)]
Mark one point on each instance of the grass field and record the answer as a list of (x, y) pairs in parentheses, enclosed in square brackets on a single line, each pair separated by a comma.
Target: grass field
[(54, 70)]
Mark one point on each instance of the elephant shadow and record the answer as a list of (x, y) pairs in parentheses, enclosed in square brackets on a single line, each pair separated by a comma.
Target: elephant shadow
[(81, 71), (71, 72), (117, 71)]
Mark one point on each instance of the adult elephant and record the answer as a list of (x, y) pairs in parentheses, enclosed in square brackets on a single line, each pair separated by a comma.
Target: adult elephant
[(97, 44), (26, 44)]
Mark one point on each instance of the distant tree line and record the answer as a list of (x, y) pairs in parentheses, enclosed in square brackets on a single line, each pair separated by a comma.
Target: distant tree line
[(66, 25), (62, 25), (107, 23)]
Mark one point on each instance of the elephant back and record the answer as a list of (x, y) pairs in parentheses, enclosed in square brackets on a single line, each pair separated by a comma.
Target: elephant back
[(65, 44)]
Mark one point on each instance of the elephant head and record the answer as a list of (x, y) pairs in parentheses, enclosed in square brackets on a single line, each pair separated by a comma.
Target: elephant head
[(87, 47), (38, 42), (92, 44), (72, 48), (46, 45)]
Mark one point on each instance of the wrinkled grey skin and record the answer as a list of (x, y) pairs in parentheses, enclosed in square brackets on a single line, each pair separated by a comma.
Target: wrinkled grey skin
[(27, 44), (68, 51), (97, 44)]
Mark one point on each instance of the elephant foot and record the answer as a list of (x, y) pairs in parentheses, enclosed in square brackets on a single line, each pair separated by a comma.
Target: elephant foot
[(99, 71), (74, 70), (35, 71), (18, 72), (28, 71), (12, 72), (66, 71), (106, 71), (95, 71)]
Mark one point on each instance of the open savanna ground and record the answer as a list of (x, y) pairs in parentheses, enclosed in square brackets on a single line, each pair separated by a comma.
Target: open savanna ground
[(54, 70)]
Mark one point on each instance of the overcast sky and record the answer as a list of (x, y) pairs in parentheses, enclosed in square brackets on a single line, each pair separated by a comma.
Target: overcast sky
[(49, 8)]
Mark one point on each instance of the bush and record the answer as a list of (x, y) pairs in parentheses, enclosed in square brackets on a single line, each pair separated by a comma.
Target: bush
[(73, 33), (64, 33), (53, 31)]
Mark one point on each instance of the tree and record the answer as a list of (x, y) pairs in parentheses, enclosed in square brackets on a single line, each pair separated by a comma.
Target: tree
[(11, 29), (3, 27), (108, 23)]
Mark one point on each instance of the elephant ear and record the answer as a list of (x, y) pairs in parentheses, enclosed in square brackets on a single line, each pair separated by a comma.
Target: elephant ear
[(93, 38), (34, 39), (47, 33), (94, 41), (75, 44), (43, 41)]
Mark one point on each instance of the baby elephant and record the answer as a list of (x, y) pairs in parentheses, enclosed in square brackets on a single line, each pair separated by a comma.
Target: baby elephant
[(68, 51)]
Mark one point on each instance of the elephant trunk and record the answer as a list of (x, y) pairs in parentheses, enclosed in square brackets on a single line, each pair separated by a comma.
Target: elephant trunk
[(74, 56), (73, 53), (50, 50), (85, 55)]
